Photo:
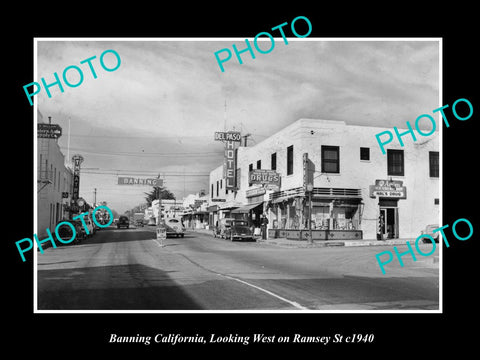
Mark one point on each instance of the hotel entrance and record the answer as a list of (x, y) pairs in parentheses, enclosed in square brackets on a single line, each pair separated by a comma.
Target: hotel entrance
[(388, 219)]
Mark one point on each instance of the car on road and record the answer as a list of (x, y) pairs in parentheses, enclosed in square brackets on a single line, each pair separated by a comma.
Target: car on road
[(65, 232), (233, 229), (222, 224), (239, 230), (123, 222), (429, 231), (174, 226)]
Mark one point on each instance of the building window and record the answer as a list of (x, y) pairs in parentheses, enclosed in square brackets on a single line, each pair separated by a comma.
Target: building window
[(330, 159), (395, 162), (434, 164), (221, 183), (364, 153), (217, 187), (436, 201), (274, 161), (211, 192), (290, 160), (259, 164)]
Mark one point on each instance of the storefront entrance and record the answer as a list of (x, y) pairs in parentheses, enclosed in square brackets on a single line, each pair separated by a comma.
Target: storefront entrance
[(388, 222)]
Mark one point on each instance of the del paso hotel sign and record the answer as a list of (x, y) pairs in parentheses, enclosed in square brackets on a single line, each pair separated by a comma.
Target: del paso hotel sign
[(230, 162), (388, 188)]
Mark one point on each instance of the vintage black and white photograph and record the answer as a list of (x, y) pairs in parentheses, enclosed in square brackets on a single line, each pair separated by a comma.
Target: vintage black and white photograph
[(263, 174)]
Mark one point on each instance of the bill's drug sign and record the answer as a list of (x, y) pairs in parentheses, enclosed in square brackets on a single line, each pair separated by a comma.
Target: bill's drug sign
[(388, 188)]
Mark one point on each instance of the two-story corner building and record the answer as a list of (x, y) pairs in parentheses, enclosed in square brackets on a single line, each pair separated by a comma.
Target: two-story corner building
[(356, 191)]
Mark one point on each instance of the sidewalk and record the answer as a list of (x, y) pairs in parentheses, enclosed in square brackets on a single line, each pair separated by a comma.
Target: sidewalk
[(283, 242)]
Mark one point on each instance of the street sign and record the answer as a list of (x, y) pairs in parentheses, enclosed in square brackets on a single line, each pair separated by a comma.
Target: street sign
[(48, 131)]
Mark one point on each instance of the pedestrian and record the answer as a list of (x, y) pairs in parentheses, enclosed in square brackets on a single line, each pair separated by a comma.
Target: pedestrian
[(264, 223)]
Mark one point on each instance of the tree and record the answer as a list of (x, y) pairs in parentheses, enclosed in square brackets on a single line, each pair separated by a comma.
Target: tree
[(156, 191)]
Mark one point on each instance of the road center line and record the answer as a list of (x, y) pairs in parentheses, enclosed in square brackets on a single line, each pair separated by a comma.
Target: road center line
[(293, 303)]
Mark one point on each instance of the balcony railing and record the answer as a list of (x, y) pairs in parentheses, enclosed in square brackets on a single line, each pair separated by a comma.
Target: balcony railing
[(319, 192)]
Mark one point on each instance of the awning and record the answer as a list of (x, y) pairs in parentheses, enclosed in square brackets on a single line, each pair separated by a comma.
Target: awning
[(246, 208)]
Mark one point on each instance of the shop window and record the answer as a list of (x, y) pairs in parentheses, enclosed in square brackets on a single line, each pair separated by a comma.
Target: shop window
[(395, 162), (330, 159), (365, 153), (434, 163), (290, 160), (274, 161)]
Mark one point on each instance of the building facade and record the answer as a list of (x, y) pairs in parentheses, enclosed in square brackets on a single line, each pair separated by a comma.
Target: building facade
[(335, 180), (54, 184)]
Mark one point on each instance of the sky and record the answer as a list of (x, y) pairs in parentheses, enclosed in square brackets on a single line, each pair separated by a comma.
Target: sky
[(157, 113)]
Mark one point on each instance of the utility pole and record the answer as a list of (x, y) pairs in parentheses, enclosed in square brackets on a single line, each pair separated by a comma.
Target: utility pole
[(245, 139)]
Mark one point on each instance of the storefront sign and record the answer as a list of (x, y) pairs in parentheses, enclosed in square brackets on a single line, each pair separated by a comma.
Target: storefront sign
[(261, 176), (122, 180), (388, 188), (255, 192), (49, 131)]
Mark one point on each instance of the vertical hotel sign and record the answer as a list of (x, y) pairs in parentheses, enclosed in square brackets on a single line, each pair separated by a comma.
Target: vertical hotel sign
[(229, 138), (77, 160)]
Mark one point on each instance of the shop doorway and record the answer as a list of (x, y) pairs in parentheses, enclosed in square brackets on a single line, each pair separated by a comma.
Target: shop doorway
[(389, 222)]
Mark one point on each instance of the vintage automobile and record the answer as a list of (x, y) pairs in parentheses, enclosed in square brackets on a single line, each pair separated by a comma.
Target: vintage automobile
[(123, 221), (174, 226), (65, 232), (233, 229), (429, 231)]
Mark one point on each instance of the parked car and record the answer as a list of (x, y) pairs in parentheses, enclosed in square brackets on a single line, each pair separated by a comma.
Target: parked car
[(233, 229), (175, 226), (139, 223), (222, 224), (239, 230), (90, 226), (65, 232), (123, 222), (429, 231)]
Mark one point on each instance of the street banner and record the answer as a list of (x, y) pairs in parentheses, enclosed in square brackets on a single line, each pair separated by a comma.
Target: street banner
[(123, 180)]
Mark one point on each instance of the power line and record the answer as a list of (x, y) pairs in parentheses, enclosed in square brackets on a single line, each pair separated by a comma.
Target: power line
[(148, 154)]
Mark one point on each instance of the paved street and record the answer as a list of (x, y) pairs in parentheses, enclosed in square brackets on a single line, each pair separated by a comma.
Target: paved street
[(127, 269)]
